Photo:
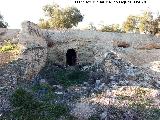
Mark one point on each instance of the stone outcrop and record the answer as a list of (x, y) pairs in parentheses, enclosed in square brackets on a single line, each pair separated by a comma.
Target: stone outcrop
[(34, 48), (92, 47), (31, 58)]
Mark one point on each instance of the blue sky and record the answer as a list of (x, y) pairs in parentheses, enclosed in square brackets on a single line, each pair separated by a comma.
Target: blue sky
[(16, 11)]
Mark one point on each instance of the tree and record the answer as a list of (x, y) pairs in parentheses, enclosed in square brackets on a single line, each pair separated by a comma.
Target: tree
[(156, 25), (61, 17), (111, 28), (131, 24), (2, 23), (43, 24), (143, 23), (146, 23), (91, 26)]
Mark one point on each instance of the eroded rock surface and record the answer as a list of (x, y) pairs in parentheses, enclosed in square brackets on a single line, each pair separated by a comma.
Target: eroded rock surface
[(31, 58)]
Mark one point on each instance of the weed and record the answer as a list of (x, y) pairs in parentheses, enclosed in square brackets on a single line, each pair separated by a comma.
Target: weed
[(25, 107), (48, 91), (71, 77), (8, 46)]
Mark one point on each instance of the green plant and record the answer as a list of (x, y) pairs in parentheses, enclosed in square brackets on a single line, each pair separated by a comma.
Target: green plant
[(21, 97), (54, 111), (59, 110), (60, 17), (25, 107), (37, 87), (48, 95), (71, 77), (8, 46), (153, 114)]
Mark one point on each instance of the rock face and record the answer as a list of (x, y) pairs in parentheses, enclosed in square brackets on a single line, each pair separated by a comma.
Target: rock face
[(83, 111), (32, 57), (94, 43), (92, 47), (116, 70), (34, 51)]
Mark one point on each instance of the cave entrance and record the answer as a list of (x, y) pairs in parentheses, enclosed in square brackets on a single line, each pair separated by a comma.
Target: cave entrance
[(71, 57)]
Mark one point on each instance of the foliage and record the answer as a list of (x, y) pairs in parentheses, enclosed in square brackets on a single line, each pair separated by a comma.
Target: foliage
[(42, 86), (8, 46), (144, 23), (111, 28), (43, 24), (60, 17), (48, 91), (131, 23), (156, 25), (91, 26), (2, 23), (71, 77), (26, 107)]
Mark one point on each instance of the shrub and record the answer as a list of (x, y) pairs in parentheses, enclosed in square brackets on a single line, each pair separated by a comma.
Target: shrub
[(8, 46)]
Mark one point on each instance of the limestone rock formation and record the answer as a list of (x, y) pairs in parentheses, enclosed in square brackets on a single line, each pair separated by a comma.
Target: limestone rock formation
[(32, 57)]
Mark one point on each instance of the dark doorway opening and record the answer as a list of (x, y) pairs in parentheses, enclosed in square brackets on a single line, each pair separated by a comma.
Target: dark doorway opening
[(71, 57)]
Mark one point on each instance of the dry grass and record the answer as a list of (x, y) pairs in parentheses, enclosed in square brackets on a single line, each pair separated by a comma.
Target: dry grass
[(149, 46), (8, 52), (6, 57)]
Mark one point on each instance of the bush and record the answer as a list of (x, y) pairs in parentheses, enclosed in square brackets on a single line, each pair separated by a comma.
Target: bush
[(8, 46)]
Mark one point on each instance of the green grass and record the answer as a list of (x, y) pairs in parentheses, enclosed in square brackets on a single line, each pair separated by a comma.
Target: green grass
[(71, 77), (26, 107), (49, 95), (37, 87)]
